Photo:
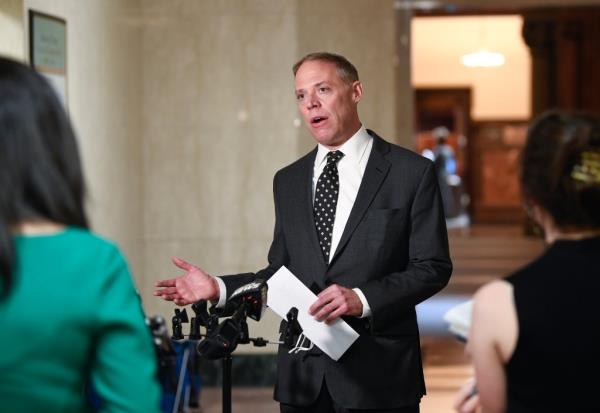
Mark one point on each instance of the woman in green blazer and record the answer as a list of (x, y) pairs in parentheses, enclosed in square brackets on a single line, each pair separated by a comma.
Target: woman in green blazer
[(70, 318)]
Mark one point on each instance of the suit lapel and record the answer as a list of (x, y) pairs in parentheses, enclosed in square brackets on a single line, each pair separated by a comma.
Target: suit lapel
[(306, 204), (375, 172)]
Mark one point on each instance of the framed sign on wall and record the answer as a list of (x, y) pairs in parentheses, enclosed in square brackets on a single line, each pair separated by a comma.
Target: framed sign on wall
[(48, 50)]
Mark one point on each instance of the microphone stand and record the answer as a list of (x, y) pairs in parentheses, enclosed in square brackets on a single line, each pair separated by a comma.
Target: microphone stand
[(239, 318), (223, 338), (226, 389)]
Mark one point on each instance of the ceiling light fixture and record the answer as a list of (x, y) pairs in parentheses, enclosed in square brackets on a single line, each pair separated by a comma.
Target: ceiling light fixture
[(483, 58), (425, 5)]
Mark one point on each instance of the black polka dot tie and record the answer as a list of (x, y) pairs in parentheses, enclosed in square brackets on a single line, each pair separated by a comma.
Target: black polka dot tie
[(326, 197)]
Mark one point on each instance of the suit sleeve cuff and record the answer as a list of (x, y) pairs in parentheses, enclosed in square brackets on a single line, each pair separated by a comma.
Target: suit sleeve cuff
[(222, 292), (366, 308)]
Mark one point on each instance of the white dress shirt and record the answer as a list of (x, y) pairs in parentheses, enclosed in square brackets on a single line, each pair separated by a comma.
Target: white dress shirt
[(351, 169)]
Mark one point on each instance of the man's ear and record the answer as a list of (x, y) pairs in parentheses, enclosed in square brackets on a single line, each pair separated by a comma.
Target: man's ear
[(357, 91)]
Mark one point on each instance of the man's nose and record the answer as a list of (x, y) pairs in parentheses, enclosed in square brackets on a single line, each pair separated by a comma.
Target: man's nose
[(312, 101)]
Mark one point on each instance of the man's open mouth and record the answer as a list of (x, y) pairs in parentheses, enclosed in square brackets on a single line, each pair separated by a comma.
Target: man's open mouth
[(317, 119)]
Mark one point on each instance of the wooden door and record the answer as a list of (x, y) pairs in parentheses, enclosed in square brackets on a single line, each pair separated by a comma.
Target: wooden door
[(495, 160)]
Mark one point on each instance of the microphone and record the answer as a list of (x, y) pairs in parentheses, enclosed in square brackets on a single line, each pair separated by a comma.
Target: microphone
[(160, 335), (251, 296), (201, 319), (178, 318), (220, 342), (248, 300)]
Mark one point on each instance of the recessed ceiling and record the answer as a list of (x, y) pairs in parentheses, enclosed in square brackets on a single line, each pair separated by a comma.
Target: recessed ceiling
[(458, 5), (519, 3)]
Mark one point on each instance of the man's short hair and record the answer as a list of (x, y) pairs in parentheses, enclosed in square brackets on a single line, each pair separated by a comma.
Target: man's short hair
[(345, 69)]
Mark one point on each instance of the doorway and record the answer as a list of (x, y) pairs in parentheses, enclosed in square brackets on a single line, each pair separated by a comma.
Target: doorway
[(484, 108), (442, 129)]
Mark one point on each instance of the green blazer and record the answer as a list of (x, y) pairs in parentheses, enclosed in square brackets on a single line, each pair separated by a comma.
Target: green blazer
[(74, 318)]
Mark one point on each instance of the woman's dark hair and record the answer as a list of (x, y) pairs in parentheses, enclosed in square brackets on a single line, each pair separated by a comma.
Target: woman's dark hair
[(561, 168), (40, 170)]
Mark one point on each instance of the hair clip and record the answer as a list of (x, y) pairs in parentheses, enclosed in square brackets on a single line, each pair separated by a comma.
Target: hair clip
[(588, 169)]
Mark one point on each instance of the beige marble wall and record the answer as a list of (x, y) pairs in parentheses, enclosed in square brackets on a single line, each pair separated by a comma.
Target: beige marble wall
[(12, 40), (103, 86), (404, 92), (218, 121), (363, 31)]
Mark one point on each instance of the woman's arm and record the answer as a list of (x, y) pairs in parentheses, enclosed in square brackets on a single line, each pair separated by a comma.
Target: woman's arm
[(492, 340), (124, 365)]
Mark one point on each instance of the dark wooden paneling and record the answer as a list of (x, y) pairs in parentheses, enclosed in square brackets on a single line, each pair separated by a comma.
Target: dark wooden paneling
[(495, 154), (564, 45)]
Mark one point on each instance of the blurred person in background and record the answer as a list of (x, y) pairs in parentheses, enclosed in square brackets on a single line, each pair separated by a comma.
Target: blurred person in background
[(70, 316), (534, 336), (444, 161)]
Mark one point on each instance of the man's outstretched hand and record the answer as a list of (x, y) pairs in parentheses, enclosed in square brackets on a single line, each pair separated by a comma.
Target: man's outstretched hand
[(188, 288)]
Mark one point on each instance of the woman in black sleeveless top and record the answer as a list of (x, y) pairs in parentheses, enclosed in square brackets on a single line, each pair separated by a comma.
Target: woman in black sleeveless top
[(535, 337)]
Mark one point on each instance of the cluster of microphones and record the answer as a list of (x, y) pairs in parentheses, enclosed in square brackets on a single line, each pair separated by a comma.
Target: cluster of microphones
[(215, 333), (221, 337)]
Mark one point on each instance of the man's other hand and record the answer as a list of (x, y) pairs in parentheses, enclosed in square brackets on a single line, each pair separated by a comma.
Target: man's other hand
[(336, 301), (188, 288)]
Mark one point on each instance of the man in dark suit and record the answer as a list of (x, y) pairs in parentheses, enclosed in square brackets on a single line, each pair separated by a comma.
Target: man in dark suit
[(360, 222)]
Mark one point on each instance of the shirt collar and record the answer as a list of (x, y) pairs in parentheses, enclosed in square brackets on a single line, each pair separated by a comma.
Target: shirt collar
[(353, 149)]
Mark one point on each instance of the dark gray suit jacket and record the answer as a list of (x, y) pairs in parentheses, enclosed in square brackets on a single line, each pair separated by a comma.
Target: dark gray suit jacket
[(394, 248)]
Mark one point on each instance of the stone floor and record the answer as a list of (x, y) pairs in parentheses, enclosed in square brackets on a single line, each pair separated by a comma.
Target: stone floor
[(445, 365)]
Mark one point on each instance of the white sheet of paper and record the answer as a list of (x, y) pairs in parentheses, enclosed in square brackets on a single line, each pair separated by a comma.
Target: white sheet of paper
[(459, 319), (287, 291)]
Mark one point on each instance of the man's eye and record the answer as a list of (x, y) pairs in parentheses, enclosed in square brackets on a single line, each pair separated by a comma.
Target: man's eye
[(299, 97), (323, 89)]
